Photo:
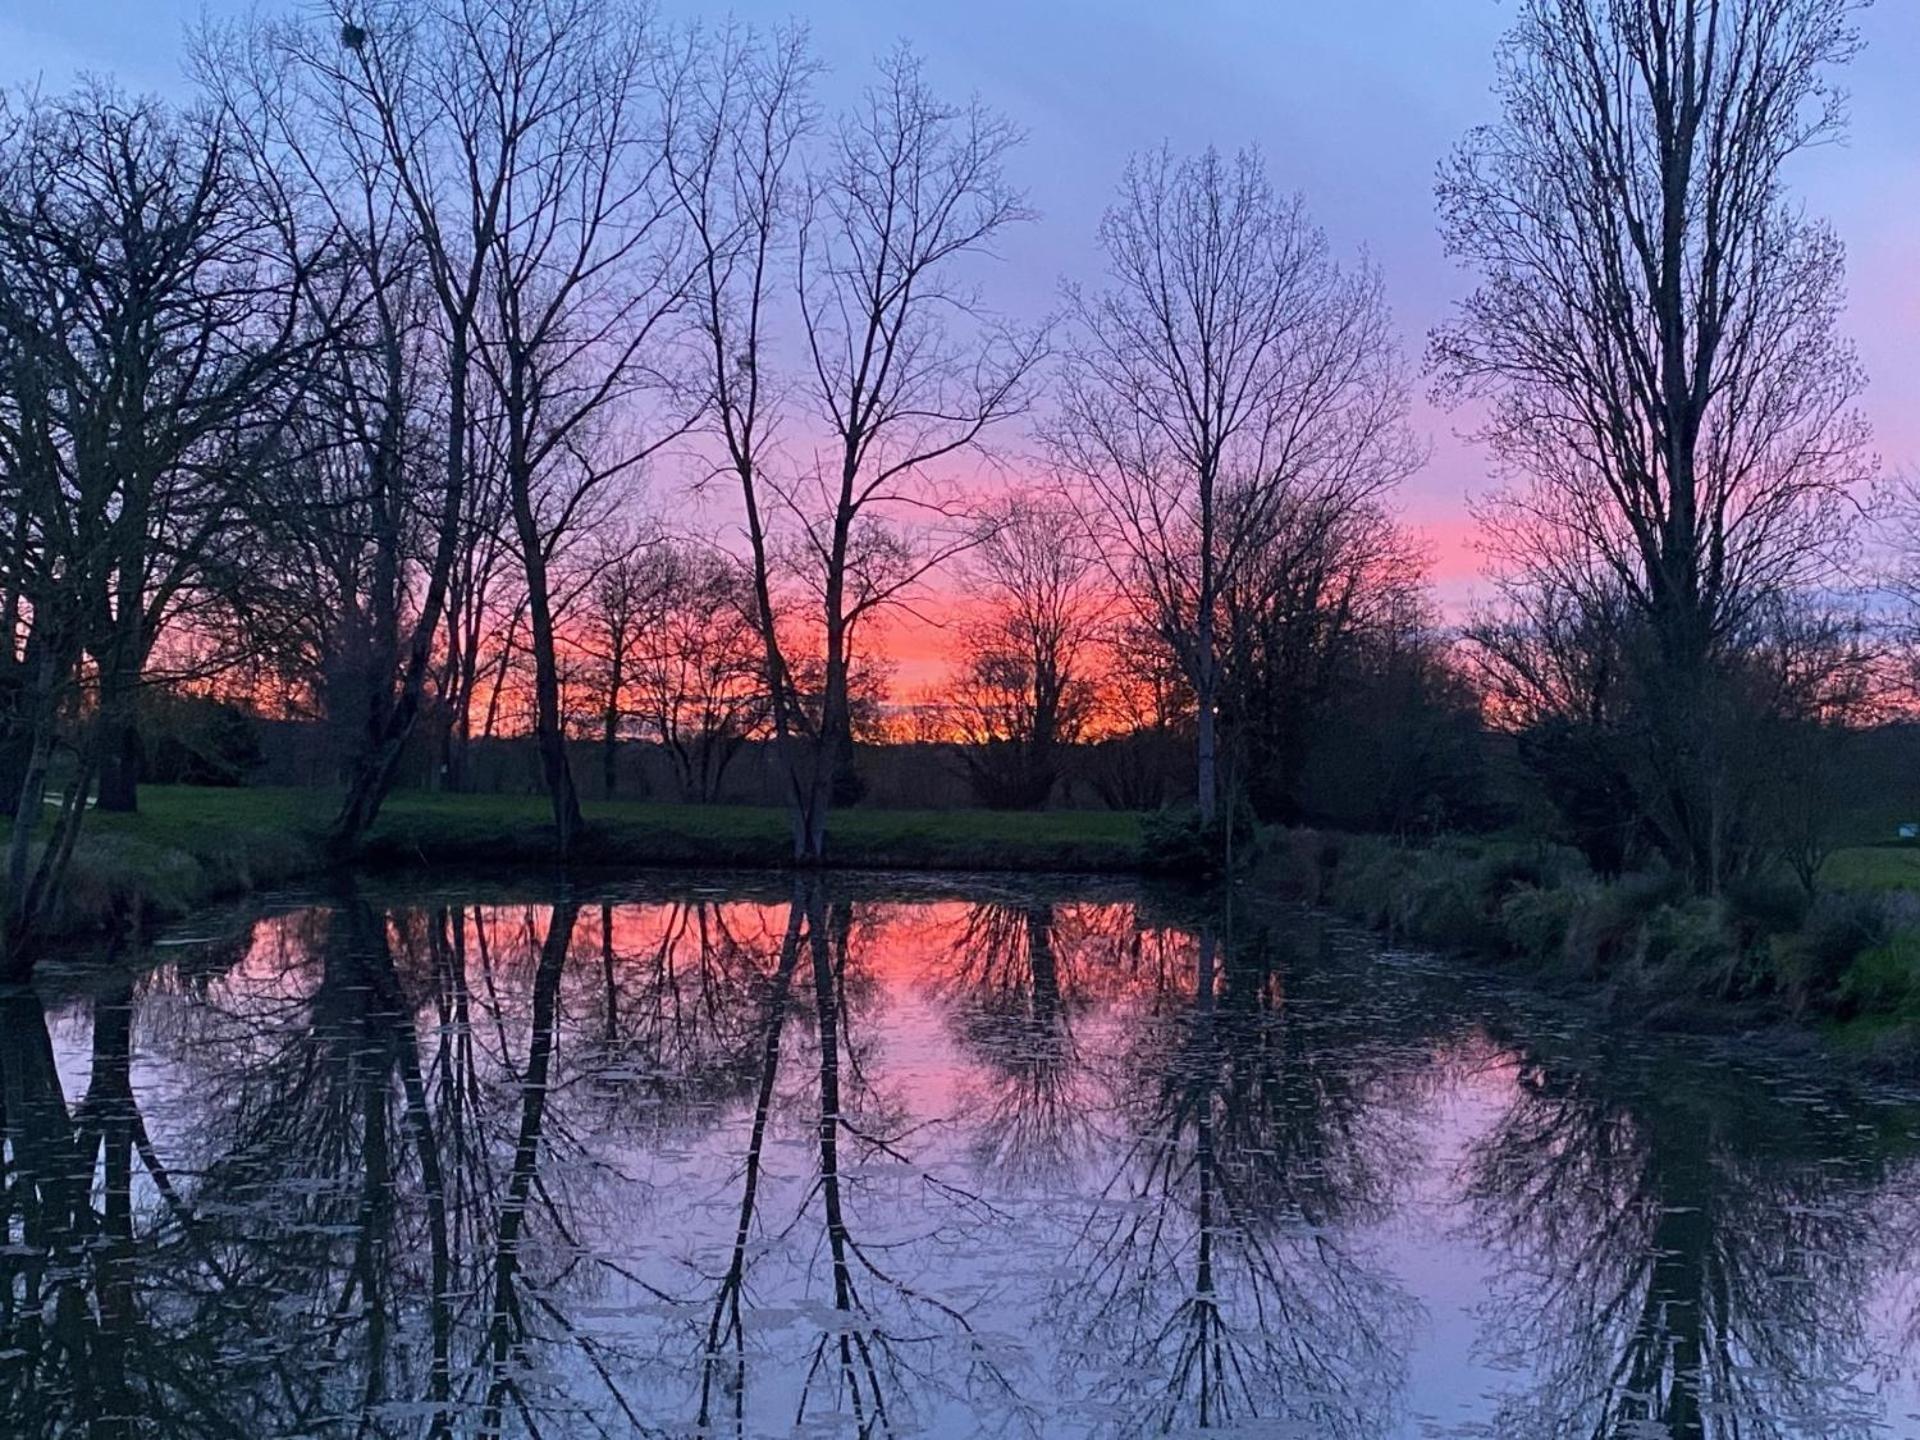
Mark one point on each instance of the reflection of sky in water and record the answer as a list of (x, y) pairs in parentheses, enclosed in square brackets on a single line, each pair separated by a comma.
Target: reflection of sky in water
[(1099, 1164)]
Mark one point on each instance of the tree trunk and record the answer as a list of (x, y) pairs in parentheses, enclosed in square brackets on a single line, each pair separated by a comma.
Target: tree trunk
[(609, 753), (390, 720), (1207, 761), (16, 733), (834, 739), (1206, 663), (549, 729), (610, 729), (119, 739)]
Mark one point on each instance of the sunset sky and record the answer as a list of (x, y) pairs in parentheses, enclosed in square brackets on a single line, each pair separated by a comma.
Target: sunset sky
[(1354, 104)]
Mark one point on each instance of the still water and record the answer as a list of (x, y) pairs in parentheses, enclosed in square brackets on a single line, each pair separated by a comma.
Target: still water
[(874, 1158)]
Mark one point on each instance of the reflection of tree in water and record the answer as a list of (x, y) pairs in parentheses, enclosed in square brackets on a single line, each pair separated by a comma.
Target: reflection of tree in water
[(1212, 1280), (389, 1175), (1011, 979), (368, 1232), (72, 1356), (877, 1346), (679, 998), (1686, 1252)]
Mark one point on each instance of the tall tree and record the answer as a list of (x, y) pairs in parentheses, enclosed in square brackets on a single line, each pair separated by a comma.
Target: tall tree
[(1656, 329), (373, 83), (519, 141), (154, 312), (741, 112), (908, 367), (582, 277), (903, 367), (342, 528), (1230, 370)]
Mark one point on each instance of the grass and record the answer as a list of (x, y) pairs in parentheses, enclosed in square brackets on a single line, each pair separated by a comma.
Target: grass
[(188, 846), (1873, 867), (517, 829), (179, 853), (1846, 959)]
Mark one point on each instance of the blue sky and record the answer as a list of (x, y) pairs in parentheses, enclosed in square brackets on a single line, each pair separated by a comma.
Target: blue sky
[(1353, 101)]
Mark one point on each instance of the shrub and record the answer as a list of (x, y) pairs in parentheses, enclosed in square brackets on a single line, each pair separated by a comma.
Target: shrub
[(1534, 922), (1689, 947), (1608, 933), (188, 740), (1300, 863), (1369, 880), (1644, 934), (1176, 841), (1448, 909), (1767, 904), (1505, 870), (1884, 979), (1811, 962)]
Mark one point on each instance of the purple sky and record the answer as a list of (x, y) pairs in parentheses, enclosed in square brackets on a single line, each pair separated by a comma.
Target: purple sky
[(1354, 104)]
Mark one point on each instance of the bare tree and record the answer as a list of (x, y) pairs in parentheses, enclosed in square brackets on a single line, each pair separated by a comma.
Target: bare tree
[(519, 141), (618, 605), (740, 111), (154, 316), (1230, 369), (344, 529), (699, 672), (904, 368), (484, 612), (375, 81), (909, 190), (1656, 327), (582, 276), (1026, 686), (1330, 581)]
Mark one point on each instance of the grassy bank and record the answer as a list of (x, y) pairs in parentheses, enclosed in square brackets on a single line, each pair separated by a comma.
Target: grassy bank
[(187, 847), (1846, 959)]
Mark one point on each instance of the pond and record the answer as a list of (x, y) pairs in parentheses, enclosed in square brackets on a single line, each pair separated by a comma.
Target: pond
[(690, 1156)]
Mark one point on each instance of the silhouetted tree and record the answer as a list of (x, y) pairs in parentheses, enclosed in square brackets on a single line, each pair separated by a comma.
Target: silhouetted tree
[(1230, 373), (1656, 328), (155, 314), (1025, 691)]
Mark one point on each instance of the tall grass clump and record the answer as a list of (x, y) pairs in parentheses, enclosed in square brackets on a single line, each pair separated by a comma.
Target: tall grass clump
[(1644, 937)]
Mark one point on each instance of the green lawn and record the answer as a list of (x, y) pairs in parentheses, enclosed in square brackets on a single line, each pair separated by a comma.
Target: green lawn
[(517, 828), (1873, 867), (188, 846)]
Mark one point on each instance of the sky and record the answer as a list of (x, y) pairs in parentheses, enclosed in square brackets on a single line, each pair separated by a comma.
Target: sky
[(1353, 102)]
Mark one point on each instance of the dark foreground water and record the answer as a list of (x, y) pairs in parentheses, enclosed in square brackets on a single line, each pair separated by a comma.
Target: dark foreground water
[(942, 1159)]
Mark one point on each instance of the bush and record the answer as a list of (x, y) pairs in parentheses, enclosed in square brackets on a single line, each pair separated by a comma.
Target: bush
[(1652, 942), (1811, 962), (1449, 909), (1299, 863), (1608, 932), (1768, 904), (1884, 979), (1177, 842), (1689, 948), (187, 740), (1535, 922), (1536, 867), (1367, 880)]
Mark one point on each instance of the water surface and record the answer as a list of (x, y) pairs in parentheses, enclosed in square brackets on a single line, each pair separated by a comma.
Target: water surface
[(741, 1157)]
